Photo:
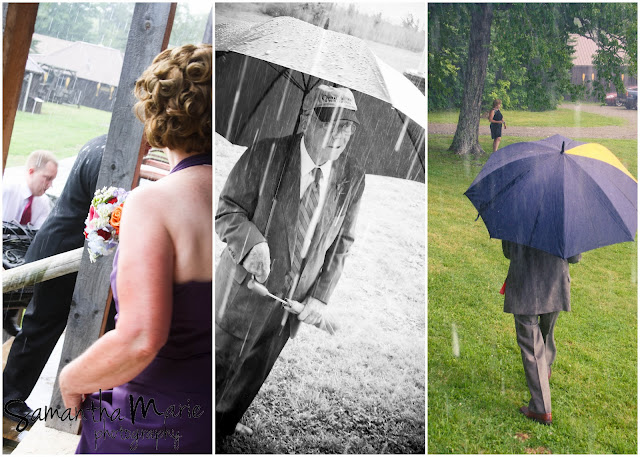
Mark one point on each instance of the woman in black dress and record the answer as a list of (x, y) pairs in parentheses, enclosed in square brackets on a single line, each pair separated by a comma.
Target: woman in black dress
[(495, 117)]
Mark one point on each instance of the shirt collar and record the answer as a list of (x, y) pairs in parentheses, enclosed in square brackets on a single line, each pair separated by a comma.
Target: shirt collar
[(307, 164), (25, 192)]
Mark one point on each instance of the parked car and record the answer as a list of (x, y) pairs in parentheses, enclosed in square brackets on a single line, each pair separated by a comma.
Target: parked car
[(631, 101), (617, 98), (622, 96), (612, 99)]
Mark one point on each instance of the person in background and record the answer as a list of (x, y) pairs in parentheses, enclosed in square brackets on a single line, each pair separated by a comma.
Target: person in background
[(161, 281), (24, 203), (497, 121), (47, 312)]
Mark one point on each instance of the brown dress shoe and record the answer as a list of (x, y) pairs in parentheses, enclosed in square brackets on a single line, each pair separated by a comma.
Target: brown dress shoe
[(538, 417)]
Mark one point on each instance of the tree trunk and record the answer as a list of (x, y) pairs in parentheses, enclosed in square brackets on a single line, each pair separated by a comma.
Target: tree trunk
[(465, 140)]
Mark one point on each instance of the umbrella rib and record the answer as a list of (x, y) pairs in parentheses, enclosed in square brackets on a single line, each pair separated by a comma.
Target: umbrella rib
[(288, 73), (413, 140), (264, 96), (504, 189)]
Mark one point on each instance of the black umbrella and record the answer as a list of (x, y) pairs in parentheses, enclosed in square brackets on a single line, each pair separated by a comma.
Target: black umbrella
[(264, 72)]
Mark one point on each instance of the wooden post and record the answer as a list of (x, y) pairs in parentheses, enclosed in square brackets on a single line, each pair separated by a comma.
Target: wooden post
[(147, 33), (208, 30), (19, 26)]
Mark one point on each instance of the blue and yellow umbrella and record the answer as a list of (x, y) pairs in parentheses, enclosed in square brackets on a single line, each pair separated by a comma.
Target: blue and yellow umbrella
[(561, 196)]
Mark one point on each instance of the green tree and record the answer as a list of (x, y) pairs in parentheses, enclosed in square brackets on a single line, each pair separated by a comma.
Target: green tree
[(530, 56), (448, 29), (530, 61), (465, 140), (111, 23), (67, 21), (108, 24), (614, 28), (188, 27)]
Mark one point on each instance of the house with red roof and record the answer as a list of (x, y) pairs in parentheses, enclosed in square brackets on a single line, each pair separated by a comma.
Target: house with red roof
[(583, 71)]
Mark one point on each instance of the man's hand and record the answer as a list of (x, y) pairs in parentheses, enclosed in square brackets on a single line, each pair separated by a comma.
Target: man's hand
[(312, 312), (258, 262)]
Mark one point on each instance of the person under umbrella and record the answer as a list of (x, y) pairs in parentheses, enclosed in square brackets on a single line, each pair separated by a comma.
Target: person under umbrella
[(537, 288), (294, 240), (550, 201)]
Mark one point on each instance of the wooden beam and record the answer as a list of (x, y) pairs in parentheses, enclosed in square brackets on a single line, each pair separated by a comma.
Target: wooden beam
[(41, 270), (120, 158), (144, 145), (18, 31)]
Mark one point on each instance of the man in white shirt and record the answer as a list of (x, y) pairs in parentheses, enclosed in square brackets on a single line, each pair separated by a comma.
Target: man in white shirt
[(24, 201), (287, 213)]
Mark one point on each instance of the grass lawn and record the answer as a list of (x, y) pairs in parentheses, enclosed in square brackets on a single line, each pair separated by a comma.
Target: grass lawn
[(473, 398), (59, 128), (561, 116)]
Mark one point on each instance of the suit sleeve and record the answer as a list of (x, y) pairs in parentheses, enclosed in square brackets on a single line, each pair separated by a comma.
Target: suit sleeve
[(238, 201), (505, 249), (575, 259), (339, 250)]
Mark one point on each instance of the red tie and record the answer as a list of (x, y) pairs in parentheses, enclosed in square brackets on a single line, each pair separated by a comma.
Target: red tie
[(26, 214)]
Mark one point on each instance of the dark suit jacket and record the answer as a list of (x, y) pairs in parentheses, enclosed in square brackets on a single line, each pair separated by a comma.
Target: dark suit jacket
[(63, 230), (537, 282), (241, 222)]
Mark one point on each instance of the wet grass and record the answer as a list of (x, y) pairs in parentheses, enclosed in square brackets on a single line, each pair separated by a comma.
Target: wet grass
[(61, 129), (473, 399), (557, 118)]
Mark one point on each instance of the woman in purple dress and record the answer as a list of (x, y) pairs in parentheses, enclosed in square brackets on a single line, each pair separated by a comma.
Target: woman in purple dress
[(151, 375)]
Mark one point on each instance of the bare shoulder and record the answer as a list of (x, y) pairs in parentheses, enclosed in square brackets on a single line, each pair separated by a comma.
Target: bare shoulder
[(146, 197)]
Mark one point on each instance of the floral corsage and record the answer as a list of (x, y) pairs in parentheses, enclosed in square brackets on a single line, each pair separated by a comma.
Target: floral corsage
[(102, 227)]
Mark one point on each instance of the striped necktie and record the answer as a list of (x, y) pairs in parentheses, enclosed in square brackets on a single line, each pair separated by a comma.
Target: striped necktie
[(26, 213), (308, 204)]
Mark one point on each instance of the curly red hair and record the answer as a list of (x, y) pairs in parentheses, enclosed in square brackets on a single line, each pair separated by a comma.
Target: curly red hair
[(175, 97)]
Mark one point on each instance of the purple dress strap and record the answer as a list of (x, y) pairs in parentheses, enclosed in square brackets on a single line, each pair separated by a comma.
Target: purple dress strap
[(192, 161)]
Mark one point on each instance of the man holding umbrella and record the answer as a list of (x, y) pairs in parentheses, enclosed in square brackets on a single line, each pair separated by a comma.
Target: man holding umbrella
[(536, 290), (549, 201), (287, 213)]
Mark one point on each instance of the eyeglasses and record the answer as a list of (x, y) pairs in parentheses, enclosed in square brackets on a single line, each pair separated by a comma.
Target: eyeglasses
[(339, 127)]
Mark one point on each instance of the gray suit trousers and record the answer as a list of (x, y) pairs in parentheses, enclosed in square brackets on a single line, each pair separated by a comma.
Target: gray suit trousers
[(538, 348)]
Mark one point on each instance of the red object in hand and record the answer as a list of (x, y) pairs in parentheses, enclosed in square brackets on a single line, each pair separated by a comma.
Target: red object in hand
[(504, 285)]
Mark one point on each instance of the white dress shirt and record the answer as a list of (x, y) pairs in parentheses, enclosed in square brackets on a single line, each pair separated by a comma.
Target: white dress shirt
[(306, 178), (14, 199)]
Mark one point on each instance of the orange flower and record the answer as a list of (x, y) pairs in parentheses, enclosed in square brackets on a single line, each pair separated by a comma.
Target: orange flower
[(115, 219)]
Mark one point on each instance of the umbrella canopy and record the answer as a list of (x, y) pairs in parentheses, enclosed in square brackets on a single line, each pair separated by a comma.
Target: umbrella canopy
[(557, 195), (264, 72)]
